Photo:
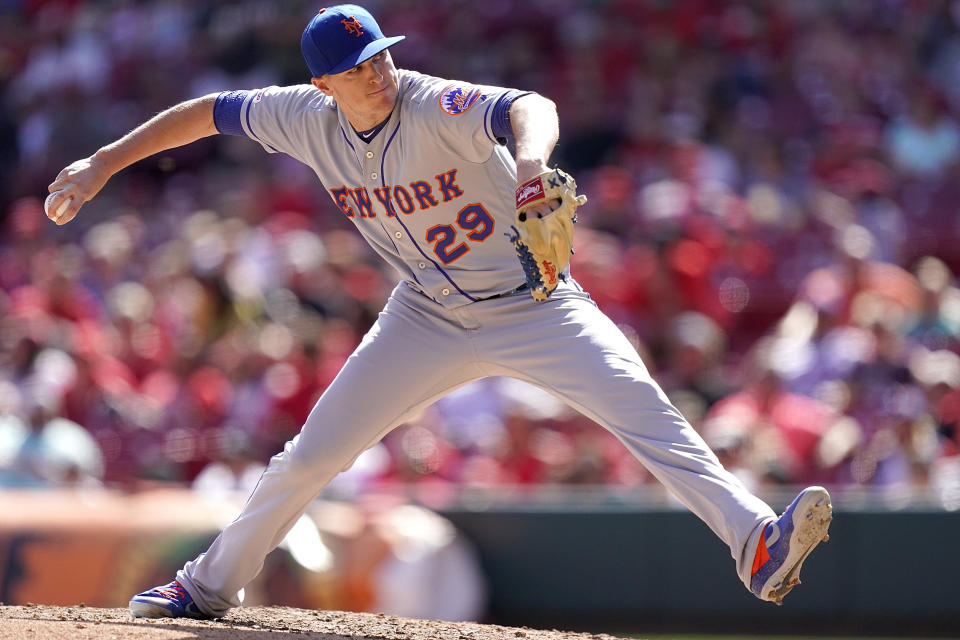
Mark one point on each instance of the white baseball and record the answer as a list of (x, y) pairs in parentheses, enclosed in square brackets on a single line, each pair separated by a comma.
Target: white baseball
[(61, 209)]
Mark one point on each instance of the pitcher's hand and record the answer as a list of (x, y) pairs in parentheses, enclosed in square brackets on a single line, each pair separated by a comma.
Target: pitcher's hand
[(81, 181)]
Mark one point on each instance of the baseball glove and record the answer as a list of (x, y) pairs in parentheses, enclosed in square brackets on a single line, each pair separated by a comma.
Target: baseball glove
[(544, 243)]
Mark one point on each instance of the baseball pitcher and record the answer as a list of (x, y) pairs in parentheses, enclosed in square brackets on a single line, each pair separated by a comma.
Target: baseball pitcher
[(481, 240)]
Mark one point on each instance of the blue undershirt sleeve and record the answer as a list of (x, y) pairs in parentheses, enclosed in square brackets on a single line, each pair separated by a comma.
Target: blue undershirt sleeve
[(500, 118), (226, 112)]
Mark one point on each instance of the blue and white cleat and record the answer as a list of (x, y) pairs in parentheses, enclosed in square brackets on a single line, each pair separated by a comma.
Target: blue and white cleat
[(786, 543), (168, 601)]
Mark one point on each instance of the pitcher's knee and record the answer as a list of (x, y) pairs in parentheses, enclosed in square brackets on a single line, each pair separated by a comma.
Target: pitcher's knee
[(319, 463)]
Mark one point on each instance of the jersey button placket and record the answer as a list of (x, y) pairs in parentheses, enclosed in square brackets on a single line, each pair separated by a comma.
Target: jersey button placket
[(445, 292)]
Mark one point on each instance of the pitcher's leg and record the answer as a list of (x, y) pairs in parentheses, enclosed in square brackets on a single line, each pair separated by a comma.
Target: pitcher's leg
[(404, 363), (574, 351)]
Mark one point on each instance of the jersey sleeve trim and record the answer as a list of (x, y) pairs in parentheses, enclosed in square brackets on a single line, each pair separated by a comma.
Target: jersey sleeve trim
[(248, 104), (486, 119), (500, 118), (226, 112)]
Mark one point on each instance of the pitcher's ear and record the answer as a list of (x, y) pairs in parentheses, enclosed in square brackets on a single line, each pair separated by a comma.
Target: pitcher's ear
[(321, 84)]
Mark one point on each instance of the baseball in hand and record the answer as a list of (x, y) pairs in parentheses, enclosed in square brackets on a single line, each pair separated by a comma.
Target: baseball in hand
[(60, 210)]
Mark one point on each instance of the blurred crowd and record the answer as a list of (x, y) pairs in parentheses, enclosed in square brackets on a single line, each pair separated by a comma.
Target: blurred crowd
[(772, 220)]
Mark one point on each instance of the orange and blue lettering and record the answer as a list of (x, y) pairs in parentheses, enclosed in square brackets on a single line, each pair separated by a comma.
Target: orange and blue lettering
[(444, 235), (448, 186), (474, 219), (402, 197), (362, 200), (383, 195), (422, 191), (340, 197)]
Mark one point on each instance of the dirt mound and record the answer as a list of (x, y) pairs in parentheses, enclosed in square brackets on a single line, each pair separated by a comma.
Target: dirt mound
[(36, 622)]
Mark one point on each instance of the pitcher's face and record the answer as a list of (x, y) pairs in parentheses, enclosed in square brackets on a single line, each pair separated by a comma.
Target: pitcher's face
[(367, 93)]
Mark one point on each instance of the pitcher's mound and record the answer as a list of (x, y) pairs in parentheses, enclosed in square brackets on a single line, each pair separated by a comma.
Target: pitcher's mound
[(37, 622)]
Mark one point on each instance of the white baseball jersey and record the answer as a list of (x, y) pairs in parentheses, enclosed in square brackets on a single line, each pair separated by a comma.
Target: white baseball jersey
[(433, 191), (433, 194)]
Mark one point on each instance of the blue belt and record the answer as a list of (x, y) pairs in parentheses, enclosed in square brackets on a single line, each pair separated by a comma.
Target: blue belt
[(504, 294)]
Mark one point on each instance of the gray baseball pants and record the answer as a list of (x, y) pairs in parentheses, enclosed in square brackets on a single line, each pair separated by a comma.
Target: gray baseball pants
[(418, 351)]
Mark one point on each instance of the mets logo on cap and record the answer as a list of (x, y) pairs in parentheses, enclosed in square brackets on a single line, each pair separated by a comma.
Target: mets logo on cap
[(353, 26), (456, 100)]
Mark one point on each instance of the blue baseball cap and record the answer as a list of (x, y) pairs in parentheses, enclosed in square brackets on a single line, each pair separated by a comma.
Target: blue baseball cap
[(341, 37)]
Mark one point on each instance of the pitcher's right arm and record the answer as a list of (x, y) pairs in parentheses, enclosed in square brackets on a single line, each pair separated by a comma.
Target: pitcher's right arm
[(177, 126)]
